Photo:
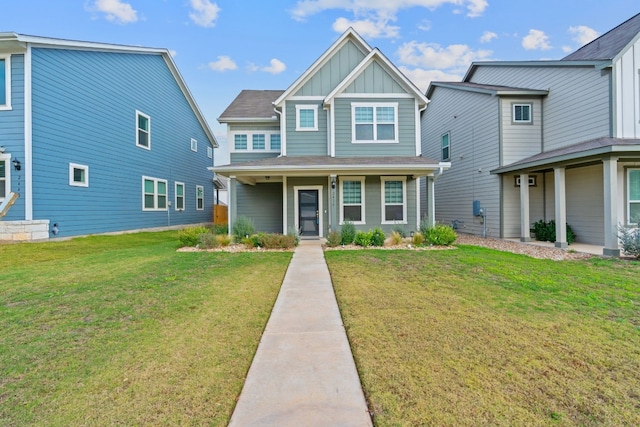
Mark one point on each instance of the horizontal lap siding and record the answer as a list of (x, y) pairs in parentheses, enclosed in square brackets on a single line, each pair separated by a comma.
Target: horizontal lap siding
[(84, 106), (306, 143), (520, 141), (511, 210), (248, 157), (585, 203), (263, 204)]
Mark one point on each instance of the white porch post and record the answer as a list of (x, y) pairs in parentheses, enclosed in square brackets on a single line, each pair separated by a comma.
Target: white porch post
[(285, 224), (232, 198), (431, 201), (610, 179), (561, 207), (525, 231)]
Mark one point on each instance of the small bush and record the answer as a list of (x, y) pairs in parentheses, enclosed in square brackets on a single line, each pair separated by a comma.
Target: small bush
[(630, 241), (418, 239), (243, 227), (348, 233), (208, 241), (272, 241), (377, 237), (293, 232), (546, 231), (189, 236), (363, 238), (440, 235), (399, 229), (223, 239), (220, 229), (333, 239), (396, 238)]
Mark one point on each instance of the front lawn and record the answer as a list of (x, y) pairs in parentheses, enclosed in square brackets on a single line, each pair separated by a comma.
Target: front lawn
[(124, 330), (475, 336)]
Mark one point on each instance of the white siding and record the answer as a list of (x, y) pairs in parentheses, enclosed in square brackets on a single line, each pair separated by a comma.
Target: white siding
[(627, 87)]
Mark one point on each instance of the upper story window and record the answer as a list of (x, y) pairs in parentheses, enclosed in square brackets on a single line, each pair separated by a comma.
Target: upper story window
[(275, 141), (306, 117), (522, 113), (5, 82), (352, 200), (376, 122), (258, 141), (210, 152), (78, 175), (4, 178), (154, 194), (446, 147), (143, 134), (633, 196), (394, 200), (264, 141), (194, 145), (240, 142)]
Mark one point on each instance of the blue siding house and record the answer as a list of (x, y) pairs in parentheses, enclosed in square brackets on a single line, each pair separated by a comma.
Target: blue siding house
[(97, 138)]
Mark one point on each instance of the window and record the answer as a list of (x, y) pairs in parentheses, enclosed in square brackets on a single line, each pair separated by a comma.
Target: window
[(274, 142), (210, 152), (143, 136), (199, 197), (521, 113), (78, 175), (179, 203), (352, 200), (5, 82), (154, 194), (446, 146), (306, 117), (240, 142), (258, 142), (374, 122), (394, 196), (4, 178), (194, 145), (633, 196)]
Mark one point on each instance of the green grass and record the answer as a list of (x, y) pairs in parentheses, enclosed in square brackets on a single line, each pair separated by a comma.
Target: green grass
[(124, 330), (474, 336)]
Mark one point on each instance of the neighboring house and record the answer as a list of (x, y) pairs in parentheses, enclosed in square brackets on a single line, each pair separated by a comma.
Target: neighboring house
[(341, 143), (97, 138), (568, 129)]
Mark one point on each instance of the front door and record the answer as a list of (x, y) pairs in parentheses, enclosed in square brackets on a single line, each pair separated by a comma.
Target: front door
[(308, 213)]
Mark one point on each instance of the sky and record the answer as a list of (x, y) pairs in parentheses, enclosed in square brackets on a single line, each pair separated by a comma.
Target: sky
[(224, 46)]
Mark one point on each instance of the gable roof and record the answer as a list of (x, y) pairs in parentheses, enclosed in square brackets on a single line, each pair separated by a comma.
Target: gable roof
[(487, 89), (18, 43), (253, 105), (610, 44)]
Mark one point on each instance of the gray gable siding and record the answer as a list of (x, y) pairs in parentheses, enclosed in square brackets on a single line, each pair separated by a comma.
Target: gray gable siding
[(239, 127), (306, 143), (374, 79), (249, 157), (333, 72), (406, 130), (577, 107)]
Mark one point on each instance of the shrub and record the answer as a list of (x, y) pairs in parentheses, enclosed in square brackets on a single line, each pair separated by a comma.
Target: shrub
[(220, 229), (399, 229), (243, 227), (630, 241), (333, 239), (208, 241), (293, 232), (363, 238), (223, 239), (348, 233), (396, 238), (272, 241), (440, 235), (546, 231), (424, 225), (377, 237), (418, 239), (189, 236)]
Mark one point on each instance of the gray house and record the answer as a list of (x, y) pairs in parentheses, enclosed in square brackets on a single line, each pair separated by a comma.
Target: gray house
[(542, 140), (343, 142)]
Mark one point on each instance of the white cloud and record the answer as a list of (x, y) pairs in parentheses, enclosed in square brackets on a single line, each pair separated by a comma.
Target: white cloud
[(368, 28), (173, 53), (432, 55), (275, 67), (204, 13), (567, 49), (536, 40), (224, 63), (487, 36), (583, 34), (425, 25), (116, 11), (422, 78)]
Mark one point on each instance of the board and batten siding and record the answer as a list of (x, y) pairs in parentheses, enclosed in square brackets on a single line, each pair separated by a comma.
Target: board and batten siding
[(472, 119), (12, 136), (577, 108), (520, 141), (374, 79), (345, 147), (84, 112), (306, 143), (262, 203), (627, 93)]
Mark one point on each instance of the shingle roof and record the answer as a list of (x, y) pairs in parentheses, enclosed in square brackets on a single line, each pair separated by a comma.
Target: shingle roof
[(489, 89), (251, 104), (610, 44)]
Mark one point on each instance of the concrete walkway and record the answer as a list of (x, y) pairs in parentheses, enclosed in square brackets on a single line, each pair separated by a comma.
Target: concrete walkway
[(303, 373)]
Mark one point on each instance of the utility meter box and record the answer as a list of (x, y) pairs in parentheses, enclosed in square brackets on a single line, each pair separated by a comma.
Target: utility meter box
[(477, 210)]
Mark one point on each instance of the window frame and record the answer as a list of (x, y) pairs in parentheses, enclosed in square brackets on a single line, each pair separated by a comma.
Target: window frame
[(362, 203), (375, 123), (515, 121), (264, 141), (7, 82), (7, 175), (72, 181), (249, 135), (305, 107), (138, 129), (630, 201), (199, 198), (194, 145), (383, 180), (271, 135), (155, 193), (210, 152), (175, 196), (448, 146)]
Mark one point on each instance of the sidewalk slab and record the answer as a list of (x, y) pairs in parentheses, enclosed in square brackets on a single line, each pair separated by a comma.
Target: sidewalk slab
[(303, 373)]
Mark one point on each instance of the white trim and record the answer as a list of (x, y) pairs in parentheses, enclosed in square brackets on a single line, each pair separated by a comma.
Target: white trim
[(194, 145), (249, 134), (72, 181), (7, 171), (402, 95), (375, 106), (138, 114), (296, 212), (628, 197), (155, 194), (306, 98), (197, 198), (332, 136), (7, 81), (418, 126), (362, 199), (403, 179), (175, 196), (313, 107), (513, 113), (210, 152), (418, 199), (448, 158), (285, 222), (28, 136)]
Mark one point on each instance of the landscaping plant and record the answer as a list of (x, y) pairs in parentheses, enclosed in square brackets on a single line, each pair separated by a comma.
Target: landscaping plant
[(630, 241), (333, 239), (348, 233), (377, 237), (546, 231), (363, 238), (439, 235), (190, 236), (243, 227)]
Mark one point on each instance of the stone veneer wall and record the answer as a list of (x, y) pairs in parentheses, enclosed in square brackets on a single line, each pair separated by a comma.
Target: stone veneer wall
[(24, 230)]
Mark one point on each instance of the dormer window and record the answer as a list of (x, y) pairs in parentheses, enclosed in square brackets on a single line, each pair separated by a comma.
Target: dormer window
[(522, 113)]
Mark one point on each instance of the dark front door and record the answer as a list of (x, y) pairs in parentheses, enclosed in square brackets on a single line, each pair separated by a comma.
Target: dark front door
[(309, 218)]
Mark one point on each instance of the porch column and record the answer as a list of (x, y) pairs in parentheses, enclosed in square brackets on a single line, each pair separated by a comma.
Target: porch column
[(232, 200), (431, 201), (525, 230), (610, 175), (561, 208), (285, 223)]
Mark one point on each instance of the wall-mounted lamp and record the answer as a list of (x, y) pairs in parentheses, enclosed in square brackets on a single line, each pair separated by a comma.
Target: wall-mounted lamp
[(55, 229), (333, 184), (2, 149), (16, 164), (267, 178)]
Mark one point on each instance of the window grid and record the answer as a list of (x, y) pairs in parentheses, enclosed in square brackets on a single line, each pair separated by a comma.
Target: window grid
[(394, 201), (3, 178), (154, 194), (199, 197), (374, 123), (446, 146), (275, 141), (240, 142), (352, 200), (143, 134), (633, 196), (179, 196), (306, 117), (522, 113), (258, 142)]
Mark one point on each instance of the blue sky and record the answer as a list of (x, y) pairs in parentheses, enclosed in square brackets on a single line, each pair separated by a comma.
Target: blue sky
[(224, 46)]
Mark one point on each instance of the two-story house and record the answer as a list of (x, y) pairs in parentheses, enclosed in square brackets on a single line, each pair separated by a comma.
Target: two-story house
[(542, 140), (342, 143), (97, 138)]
